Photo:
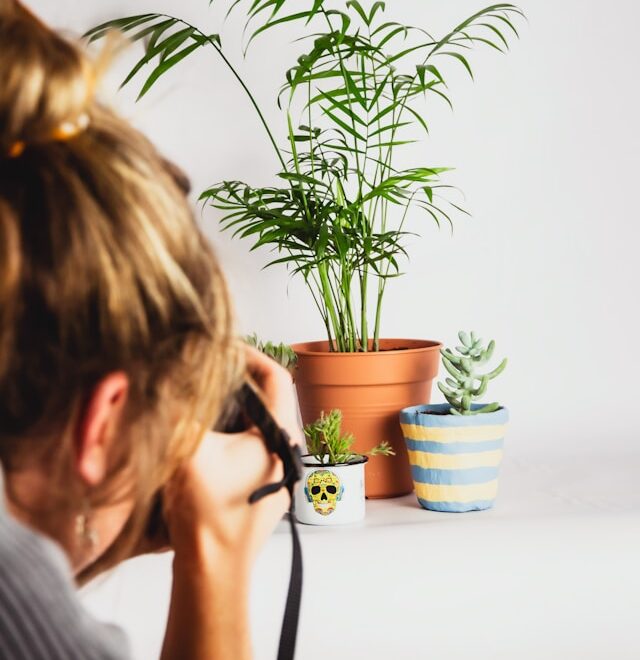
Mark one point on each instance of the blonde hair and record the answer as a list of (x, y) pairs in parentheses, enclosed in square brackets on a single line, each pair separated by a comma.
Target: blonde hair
[(102, 268)]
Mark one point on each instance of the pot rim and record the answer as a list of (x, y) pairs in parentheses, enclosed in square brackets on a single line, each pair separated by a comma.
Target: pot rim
[(358, 461), (423, 412), (428, 345)]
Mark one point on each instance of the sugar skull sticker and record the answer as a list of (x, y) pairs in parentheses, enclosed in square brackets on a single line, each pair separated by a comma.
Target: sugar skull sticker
[(324, 490)]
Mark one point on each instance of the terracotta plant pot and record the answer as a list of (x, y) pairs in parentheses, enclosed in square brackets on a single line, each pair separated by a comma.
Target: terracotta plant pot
[(454, 458), (370, 389), (331, 494)]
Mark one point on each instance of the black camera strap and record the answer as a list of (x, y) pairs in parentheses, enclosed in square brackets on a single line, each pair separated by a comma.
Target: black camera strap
[(289, 630), (278, 442)]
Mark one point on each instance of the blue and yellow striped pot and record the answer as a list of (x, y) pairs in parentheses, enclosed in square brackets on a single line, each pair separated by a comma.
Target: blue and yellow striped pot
[(454, 458)]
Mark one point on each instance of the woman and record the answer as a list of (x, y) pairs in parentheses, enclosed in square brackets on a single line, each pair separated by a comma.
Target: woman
[(117, 350)]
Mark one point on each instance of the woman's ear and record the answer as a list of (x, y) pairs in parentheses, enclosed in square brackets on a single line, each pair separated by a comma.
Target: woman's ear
[(98, 427)]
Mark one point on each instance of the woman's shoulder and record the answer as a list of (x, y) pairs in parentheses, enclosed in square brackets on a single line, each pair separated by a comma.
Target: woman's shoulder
[(40, 614), (21, 547)]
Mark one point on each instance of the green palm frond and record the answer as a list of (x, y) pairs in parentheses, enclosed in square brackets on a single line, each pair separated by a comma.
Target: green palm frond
[(167, 42)]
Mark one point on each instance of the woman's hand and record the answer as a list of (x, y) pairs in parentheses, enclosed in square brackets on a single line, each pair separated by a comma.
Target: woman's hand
[(276, 385), (206, 505), (216, 533)]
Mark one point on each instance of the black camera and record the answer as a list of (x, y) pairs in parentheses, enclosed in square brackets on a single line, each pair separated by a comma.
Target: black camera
[(246, 409)]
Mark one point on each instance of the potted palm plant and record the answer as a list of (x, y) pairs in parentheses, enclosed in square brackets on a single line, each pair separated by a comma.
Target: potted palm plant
[(455, 448), (332, 490), (337, 218)]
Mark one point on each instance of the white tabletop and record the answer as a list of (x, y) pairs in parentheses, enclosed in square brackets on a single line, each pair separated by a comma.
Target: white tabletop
[(553, 571)]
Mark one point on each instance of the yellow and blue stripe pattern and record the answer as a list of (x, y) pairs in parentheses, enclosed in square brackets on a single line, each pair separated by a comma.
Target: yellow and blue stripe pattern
[(454, 459)]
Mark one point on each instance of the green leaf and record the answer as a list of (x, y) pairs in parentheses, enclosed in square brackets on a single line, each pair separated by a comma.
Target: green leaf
[(343, 107), (338, 37), (396, 30), (153, 49), (491, 407), (279, 21), (486, 356), (461, 58), (423, 69), (464, 338), (498, 370), (389, 127), (507, 22), (418, 117), (498, 33), (442, 95), (375, 8), (165, 66), (174, 42), (450, 395), (354, 90), (379, 89), (360, 10), (343, 125), (482, 388), (156, 28), (454, 359), (121, 24), (302, 178), (384, 112), (451, 368)]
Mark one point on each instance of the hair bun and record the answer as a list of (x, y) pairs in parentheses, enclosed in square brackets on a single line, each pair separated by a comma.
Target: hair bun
[(7, 7), (45, 78)]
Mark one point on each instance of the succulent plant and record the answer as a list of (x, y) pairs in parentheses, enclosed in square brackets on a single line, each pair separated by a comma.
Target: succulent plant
[(281, 353), (329, 446), (464, 385)]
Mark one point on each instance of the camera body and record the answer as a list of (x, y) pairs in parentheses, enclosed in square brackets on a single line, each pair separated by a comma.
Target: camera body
[(244, 410)]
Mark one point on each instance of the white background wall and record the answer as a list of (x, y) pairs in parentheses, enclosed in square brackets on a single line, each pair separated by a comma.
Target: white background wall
[(547, 150)]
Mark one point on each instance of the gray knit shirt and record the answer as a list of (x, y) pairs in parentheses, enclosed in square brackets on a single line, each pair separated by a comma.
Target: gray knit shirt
[(41, 617)]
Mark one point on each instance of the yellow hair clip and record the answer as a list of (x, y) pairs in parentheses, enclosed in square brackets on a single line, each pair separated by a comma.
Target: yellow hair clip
[(69, 129), (16, 149), (65, 131)]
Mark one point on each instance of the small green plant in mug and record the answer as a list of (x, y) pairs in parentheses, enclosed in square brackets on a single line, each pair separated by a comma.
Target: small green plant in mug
[(464, 384), (329, 446)]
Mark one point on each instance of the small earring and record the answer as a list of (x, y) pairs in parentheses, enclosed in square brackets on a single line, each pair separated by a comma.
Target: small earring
[(84, 531)]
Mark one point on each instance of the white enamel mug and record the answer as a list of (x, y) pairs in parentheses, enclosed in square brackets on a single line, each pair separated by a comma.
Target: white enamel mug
[(330, 494)]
